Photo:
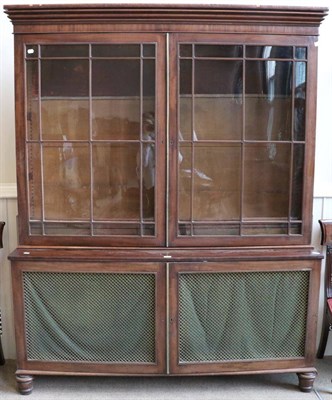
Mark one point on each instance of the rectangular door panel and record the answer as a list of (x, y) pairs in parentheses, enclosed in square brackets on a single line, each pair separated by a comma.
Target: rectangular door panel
[(82, 316), (253, 313)]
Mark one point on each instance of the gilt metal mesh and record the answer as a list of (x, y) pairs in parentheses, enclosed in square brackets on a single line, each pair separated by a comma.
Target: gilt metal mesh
[(90, 317), (242, 316)]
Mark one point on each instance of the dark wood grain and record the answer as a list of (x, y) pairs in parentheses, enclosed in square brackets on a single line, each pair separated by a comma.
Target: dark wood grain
[(167, 254)]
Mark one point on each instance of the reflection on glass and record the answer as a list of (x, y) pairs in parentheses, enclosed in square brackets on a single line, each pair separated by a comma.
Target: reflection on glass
[(96, 120), (268, 110), (116, 180), (64, 78), (266, 180), (301, 53), (148, 230), (116, 102), (149, 85), (67, 228), (186, 50), (32, 92), (218, 100), (218, 51), (148, 166), (66, 179), (65, 50), (269, 51), (64, 119), (115, 118), (31, 51), (116, 50), (216, 229), (216, 181), (297, 184), (264, 228), (149, 50), (299, 101), (185, 182), (185, 100), (117, 229), (34, 184), (116, 78), (296, 229)]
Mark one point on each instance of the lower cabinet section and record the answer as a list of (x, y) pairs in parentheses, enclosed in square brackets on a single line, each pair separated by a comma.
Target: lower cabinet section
[(134, 318)]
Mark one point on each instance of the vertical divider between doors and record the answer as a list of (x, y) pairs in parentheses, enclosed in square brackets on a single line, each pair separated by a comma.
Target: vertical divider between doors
[(167, 141), (167, 320)]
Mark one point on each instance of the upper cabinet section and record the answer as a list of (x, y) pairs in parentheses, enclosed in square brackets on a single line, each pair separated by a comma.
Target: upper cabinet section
[(165, 125)]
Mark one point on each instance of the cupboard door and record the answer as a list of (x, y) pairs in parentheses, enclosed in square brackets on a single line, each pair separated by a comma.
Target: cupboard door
[(239, 140), (82, 317), (95, 140), (253, 313)]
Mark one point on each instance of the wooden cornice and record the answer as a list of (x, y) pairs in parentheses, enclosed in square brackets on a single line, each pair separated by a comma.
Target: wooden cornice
[(166, 14)]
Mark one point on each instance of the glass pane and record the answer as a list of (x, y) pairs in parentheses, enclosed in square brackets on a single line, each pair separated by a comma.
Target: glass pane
[(67, 228), (36, 228), (66, 179), (269, 51), (115, 118), (186, 50), (216, 182), (266, 180), (301, 53), (148, 230), (216, 229), (296, 229), (268, 110), (300, 100), (34, 181), (184, 182), (116, 50), (149, 50), (218, 51), (65, 50), (116, 101), (64, 78), (31, 51), (265, 229), (116, 193), (116, 77), (218, 100), (32, 93), (117, 229), (149, 86), (148, 179), (185, 106), (64, 119), (297, 187)]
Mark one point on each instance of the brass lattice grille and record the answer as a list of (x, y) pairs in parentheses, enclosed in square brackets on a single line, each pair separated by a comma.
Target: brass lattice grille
[(92, 317), (242, 316)]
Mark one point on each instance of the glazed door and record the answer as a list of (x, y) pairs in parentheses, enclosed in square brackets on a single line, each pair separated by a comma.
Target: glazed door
[(94, 134), (238, 141)]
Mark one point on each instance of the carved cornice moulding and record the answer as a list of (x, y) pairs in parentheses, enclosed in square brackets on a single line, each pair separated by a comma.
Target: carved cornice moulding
[(308, 17)]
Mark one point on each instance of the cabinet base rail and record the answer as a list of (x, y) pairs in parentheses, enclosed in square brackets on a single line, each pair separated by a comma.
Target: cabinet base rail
[(25, 378)]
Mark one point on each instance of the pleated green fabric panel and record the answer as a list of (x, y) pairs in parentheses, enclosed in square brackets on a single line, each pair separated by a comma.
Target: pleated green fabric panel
[(97, 317), (242, 316)]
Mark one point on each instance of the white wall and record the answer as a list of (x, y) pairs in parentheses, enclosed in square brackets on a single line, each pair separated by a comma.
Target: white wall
[(8, 208)]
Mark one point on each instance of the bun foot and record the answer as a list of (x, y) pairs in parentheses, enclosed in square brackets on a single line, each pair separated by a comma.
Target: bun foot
[(24, 384), (306, 380)]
